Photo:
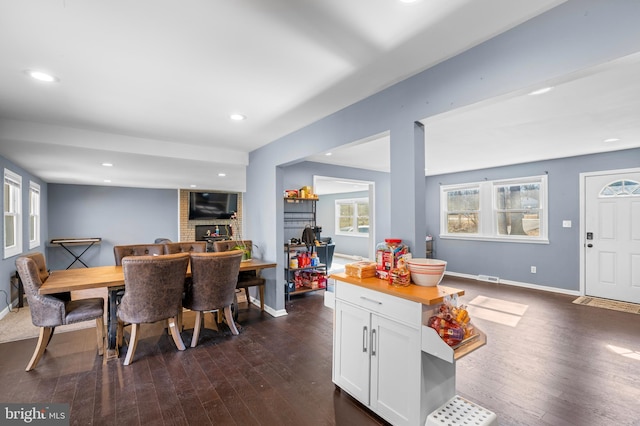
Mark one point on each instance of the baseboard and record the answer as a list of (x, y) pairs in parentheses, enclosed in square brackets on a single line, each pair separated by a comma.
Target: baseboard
[(6, 310), (519, 284)]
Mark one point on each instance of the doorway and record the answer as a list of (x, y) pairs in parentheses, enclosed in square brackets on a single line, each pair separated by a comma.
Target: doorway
[(611, 234), (352, 243)]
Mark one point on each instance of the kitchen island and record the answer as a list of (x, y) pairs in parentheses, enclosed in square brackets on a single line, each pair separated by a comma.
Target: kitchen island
[(383, 353)]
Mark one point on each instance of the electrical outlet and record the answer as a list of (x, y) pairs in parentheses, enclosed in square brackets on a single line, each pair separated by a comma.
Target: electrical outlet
[(533, 269)]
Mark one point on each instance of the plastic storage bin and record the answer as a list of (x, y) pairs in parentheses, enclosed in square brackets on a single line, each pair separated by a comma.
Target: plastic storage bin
[(459, 412)]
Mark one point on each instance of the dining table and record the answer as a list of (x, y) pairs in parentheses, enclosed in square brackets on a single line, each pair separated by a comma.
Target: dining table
[(112, 278)]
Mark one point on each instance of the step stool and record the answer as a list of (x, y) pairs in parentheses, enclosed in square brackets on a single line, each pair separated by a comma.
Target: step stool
[(458, 411)]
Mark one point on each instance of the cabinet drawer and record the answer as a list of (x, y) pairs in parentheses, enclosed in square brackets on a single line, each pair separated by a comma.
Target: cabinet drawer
[(392, 307)]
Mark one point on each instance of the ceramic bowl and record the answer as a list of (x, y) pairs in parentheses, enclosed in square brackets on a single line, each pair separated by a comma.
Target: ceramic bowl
[(426, 272)]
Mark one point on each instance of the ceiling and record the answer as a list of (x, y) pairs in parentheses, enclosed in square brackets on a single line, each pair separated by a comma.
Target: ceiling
[(593, 111), (149, 85)]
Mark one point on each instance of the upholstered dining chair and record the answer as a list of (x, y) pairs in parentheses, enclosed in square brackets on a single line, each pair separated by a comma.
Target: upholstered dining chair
[(246, 279), (49, 311), (153, 292), (122, 251), (213, 287), (185, 247)]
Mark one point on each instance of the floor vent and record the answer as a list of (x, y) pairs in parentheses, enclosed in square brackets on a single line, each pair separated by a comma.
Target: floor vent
[(488, 278)]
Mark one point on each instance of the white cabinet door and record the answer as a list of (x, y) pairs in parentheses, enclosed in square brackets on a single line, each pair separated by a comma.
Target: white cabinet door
[(351, 350), (395, 371)]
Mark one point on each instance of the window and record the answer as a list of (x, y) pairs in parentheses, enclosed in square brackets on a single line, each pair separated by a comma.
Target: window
[(12, 218), (506, 210), (352, 217), (34, 215), (463, 210), (621, 188)]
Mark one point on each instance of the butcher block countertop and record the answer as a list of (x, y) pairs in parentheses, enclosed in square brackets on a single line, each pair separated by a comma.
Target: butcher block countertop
[(424, 295)]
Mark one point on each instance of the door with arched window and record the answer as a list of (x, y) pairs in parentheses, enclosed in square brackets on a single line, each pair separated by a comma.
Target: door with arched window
[(612, 237)]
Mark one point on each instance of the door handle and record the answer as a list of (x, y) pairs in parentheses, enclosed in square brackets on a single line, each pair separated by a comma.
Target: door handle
[(589, 245), (373, 342), (365, 335)]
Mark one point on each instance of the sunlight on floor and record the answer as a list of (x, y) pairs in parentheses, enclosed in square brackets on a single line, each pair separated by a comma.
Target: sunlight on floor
[(496, 310), (628, 353)]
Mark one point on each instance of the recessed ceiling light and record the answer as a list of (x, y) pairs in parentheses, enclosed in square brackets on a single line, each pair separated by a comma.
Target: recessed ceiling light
[(107, 181), (193, 186), (42, 76), (237, 117), (407, 1), (107, 164), (222, 174), (328, 154), (541, 91), (611, 140)]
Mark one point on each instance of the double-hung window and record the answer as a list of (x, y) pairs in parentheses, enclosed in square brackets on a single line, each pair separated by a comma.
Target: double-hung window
[(12, 216), (500, 210), (352, 217), (34, 215)]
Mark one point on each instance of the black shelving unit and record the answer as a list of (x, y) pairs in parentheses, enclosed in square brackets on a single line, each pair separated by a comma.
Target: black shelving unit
[(289, 273), (298, 214)]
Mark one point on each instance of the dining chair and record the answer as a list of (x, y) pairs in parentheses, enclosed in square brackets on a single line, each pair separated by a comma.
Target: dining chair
[(153, 292), (185, 247), (122, 251), (50, 311), (246, 279), (213, 287)]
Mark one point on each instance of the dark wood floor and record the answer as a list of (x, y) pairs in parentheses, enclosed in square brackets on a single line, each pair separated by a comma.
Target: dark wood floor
[(563, 364)]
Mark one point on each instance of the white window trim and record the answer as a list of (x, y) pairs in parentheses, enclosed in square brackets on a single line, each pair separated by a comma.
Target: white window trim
[(17, 247), (34, 188), (336, 214), (487, 227)]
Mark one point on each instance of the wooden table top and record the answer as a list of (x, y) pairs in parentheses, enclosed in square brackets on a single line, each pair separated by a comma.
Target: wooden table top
[(112, 276), (413, 292)]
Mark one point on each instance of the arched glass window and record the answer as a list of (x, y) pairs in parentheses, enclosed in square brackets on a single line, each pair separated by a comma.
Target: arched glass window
[(621, 188)]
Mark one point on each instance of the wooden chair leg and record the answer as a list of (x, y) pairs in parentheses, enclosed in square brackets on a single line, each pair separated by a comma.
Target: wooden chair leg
[(43, 341), (246, 295), (100, 334), (196, 328), (179, 319), (229, 317), (133, 342), (175, 333)]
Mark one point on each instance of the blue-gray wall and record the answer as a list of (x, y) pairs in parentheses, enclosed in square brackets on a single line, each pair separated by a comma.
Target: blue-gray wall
[(8, 266), (557, 263), (571, 37), (115, 214)]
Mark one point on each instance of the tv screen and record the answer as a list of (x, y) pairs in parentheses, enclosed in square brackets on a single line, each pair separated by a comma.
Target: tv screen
[(212, 205)]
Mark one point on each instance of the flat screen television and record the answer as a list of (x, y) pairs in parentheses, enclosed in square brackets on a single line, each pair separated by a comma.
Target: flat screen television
[(212, 205)]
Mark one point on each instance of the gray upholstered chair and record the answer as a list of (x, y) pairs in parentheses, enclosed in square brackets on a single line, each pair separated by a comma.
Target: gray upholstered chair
[(153, 292), (49, 311), (213, 287), (185, 247), (121, 251), (136, 250), (246, 279)]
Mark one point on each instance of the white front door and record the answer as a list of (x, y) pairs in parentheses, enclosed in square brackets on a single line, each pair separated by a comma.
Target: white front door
[(612, 240)]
